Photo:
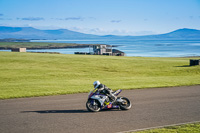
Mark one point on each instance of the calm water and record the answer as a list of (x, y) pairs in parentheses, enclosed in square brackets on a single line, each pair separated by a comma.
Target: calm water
[(145, 48)]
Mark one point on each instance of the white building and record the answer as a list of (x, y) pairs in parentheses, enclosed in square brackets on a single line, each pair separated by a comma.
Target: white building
[(102, 49)]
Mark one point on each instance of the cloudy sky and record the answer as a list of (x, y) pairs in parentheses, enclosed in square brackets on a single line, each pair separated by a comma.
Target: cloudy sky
[(103, 17)]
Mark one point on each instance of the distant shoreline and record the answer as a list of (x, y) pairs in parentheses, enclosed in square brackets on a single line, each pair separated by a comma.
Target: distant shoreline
[(33, 48), (43, 45), (132, 48)]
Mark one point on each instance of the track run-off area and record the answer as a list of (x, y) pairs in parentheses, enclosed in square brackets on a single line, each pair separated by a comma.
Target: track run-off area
[(67, 113)]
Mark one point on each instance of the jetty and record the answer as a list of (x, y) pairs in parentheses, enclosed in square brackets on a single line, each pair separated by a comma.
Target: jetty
[(102, 49)]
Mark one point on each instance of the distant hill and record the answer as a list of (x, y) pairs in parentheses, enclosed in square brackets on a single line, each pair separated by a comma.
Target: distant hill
[(32, 33), (182, 34)]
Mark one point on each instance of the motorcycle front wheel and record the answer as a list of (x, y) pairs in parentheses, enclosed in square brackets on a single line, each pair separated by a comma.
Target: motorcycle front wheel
[(93, 105), (125, 104)]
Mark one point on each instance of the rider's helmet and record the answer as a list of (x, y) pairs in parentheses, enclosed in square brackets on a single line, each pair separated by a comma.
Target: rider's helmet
[(96, 84)]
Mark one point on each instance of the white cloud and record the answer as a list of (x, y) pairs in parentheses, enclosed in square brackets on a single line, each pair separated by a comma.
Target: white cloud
[(75, 18), (31, 18), (101, 31), (115, 21)]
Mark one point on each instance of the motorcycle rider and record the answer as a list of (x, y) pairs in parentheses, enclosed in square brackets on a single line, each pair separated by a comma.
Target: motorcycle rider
[(103, 89)]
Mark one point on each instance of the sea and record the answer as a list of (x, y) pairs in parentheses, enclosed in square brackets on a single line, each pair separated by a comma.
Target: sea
[(136, 48)]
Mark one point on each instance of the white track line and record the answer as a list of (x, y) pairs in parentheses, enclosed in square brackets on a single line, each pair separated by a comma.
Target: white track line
[(158, 127)]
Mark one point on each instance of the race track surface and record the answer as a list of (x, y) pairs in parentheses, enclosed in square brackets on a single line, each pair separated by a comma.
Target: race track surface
[(68, 114)]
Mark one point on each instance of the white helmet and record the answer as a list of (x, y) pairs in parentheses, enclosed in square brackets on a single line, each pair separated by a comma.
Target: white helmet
[(96, 84)]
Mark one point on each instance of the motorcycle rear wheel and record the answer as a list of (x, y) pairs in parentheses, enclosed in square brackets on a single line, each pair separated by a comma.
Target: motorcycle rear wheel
[(126, 104), (93, 107)]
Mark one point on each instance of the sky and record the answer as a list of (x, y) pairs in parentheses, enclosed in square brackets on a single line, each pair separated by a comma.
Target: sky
[(103, 17)]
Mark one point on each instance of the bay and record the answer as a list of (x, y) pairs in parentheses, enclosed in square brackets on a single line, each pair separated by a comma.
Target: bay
[(132, 47)]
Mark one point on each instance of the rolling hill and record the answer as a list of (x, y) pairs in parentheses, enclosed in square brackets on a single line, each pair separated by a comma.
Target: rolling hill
[(32, 33)]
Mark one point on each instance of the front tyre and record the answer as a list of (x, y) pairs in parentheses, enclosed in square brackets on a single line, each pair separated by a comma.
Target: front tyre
[(125, 104), (93, 105)]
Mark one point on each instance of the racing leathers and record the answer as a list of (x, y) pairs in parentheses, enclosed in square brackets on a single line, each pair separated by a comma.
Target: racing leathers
[(103, 89)]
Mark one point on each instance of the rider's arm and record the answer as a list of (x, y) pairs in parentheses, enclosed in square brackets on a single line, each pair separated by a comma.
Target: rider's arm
[(97, 92)]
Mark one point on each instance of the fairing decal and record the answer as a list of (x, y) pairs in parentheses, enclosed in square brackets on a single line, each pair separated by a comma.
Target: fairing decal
[(117, 92)]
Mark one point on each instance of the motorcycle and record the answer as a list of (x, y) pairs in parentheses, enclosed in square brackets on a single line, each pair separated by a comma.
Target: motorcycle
[(97, 102)]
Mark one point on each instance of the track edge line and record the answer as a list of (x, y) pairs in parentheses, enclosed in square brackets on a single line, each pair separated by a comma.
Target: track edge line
[(149, 128)]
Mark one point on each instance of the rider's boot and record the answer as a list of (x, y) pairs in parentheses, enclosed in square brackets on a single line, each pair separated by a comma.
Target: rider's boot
[(107, 101)]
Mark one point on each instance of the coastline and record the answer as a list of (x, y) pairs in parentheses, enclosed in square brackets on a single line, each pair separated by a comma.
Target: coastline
[(43, 45), (57, 47), (131, 48)]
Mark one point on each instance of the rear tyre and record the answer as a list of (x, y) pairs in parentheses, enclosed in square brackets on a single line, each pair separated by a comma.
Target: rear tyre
[(125, 104), (93, 105)]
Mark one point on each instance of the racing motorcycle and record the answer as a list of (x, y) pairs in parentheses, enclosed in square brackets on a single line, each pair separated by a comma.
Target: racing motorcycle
[(97, 102)]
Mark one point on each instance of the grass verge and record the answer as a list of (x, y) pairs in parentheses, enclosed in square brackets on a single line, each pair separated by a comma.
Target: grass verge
[(187, 128), (39, 45), (34, 74)]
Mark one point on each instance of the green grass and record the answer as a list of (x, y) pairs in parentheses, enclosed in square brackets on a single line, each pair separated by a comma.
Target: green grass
[(34, 74), (188, 128), (29, 45)]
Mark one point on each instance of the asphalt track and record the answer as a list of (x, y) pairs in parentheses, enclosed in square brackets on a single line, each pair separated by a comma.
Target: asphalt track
[(68, 114)]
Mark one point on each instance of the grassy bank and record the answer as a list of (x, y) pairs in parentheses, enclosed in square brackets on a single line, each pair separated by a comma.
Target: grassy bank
[(39, 45), (188, 128), (33, 74)]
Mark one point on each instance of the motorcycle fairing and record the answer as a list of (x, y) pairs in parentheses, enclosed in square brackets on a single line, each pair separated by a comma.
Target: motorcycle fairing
[(101, 98), (117, 92), (110, 106)]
